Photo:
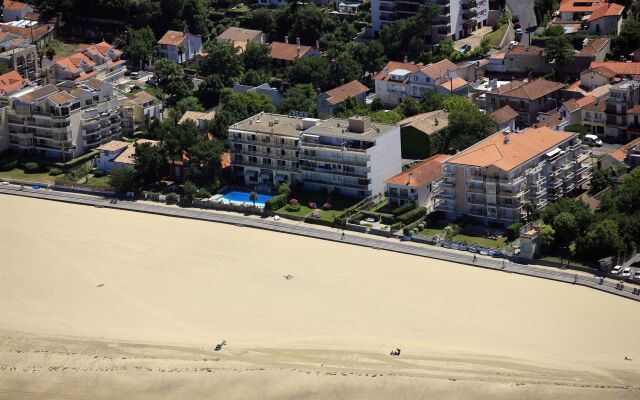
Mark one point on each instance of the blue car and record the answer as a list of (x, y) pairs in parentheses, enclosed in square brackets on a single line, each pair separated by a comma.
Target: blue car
[(472, 249), (463, 247)]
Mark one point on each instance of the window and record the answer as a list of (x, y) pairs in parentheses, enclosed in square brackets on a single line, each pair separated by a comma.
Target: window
[(282, 152)]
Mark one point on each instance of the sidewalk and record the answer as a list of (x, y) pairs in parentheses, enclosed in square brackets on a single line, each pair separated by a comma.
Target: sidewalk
[(332, 234)]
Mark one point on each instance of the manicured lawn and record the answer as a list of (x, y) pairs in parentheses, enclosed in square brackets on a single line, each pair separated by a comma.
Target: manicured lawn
[(495, 37), (481, 241), (16, 173), (430, 232), (102, 182), (338, 205)]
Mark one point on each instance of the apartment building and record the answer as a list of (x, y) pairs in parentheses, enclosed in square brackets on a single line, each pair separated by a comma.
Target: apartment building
[(458, 19), (622, 97), (63, 121), (417, 184), (100, 61), (494, 179), (140, 111), (179, 46), (528, 99), (264, 149), (352, 156)]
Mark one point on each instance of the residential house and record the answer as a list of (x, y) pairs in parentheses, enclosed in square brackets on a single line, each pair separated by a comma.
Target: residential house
[(100, 61), (592, 50), (34, 32), (240, 37), (551, 119), (604, 20), (622, 69), (527, 98), (494, 179), (351, 156), (179, 46), (594, 117), (15, 10), (597, 77), (505, 119), (523, 59), (22, 59), (264, 89), (633, 122), (64, 121), (571, 110), (142, 109), (497, 63), (628, 154), (417, 184), (417, 132), (10, 83), (108, 152), (576, 10), (285, 53), (456, 86), (200, 118), (329, 101), (458, 18)]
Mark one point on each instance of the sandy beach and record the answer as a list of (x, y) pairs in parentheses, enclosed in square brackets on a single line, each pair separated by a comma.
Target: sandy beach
[(105, 304)]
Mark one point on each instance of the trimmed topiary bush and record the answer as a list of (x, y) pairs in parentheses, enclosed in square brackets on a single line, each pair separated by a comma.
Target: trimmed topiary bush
[(172, 198), (31, 167), (98, 173), (55, 171), (293, 207), (412, 215), (406, 207)]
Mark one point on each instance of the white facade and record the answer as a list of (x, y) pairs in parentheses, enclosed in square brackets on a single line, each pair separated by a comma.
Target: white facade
[(179, 46), (459, 17)]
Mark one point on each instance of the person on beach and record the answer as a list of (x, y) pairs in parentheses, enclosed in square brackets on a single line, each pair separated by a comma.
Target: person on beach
[(475, 258), (342, 238)]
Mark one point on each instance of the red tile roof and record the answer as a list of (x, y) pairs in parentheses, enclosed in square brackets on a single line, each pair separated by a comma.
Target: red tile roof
[(522, 50), (504, 114), (392, 66), (341, 93), (520, 148), (535, 89), (13, 5), (11, 82), (173, 38), (584, 6), (454, 84), (621, 153), (37, 32), (619, 67), (420, 174), (606, 10), (288, 51), (593, 47)]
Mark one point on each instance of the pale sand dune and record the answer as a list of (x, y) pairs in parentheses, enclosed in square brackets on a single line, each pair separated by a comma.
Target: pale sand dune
[(173, 288)]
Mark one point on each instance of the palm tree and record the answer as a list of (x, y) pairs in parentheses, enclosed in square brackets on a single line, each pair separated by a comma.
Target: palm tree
[(253, 196), (181, 52)]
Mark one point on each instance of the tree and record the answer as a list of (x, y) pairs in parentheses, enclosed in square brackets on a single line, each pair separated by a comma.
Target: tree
[(262, 19), (342, 70), (432, 101), (149, 163), (409, 107), (244, 105), (627, 41), (559, 49), (122, 180), (576, 128), (204, 158), (566, 229), (309, 23), (371, 56), (187, 104), (139, 48), (406, 36), (256, 77), (600, 179), (209, 90), (222, 59), (602, 240), (171, 78), (253, 196), (300, 97), (189, 192), (577, 208), (547, 237), (467, 124), (256, 57), (314, 70)]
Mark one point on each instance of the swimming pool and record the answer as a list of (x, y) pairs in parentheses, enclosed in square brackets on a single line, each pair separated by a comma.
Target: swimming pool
[(237, 197)]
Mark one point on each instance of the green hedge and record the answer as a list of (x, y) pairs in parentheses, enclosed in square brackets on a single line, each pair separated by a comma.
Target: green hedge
[(318, 221), (407, 229), (387, 219), (412, 215), (77, 161), (277, 202), (406, 207)]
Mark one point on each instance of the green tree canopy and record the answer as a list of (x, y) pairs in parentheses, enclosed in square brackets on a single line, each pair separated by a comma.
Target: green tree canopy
[(301, 97), (566, 229), (139, 50), (150, 163), (222, 60)]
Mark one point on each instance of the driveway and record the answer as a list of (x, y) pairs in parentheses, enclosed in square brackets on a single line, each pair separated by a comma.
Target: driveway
[(473, 40), (606, 148), (524, 10)]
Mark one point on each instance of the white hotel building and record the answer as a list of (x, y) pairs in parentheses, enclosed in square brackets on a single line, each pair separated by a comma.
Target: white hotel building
[(459, 18), (353, 156)]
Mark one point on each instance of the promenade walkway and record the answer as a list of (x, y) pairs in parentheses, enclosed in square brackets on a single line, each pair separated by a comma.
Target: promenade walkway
[(389, 244)]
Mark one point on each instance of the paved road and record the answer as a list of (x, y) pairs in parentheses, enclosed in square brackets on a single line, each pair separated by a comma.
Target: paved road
[(606, 148), (610, 286), (524, 10)]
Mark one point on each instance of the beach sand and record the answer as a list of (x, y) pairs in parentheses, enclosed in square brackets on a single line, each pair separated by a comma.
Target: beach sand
[(104, 304)]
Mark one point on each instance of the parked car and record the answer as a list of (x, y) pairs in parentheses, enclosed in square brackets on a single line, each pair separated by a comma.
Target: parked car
[(446, 245), (455, 246), (484, 252), (518, 32), (465, 48), (134, 75), (592, 140), (472, 249), (636, 276), (513, 43), (616, 270), (626, 273), (515, 19), (497, 254), (463, 247)]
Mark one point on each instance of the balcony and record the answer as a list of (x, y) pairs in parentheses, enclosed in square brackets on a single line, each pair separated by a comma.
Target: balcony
[(332, 171), (469, 14), (313, 158), (333, 147), (472, 189), (339, 184), (470, 4)]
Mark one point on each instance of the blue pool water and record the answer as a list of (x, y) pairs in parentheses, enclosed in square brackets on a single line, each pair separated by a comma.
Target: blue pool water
[(243, 197)]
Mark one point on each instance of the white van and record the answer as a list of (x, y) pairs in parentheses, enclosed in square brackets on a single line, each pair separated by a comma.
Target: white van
[(592, 140)]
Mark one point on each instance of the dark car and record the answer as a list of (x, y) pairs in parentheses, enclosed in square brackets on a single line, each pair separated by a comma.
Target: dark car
[(515, 19)]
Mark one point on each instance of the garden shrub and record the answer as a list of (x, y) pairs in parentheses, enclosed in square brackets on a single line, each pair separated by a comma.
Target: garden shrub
[(31, 167), (98, 173), (412, 215), (396, 226), (55, 171), (406, 207), (277, 202), (203, 194), (413, 227), (326, 206), (293, 207), (513, 231), (172, 198)]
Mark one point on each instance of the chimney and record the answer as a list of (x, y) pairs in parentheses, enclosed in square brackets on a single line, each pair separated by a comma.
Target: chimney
[(298, 41), (318, 44), (385, 71), (286, 39), (437, 122), (406, 59), (298, 52), (409, 178), (262, 38)]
